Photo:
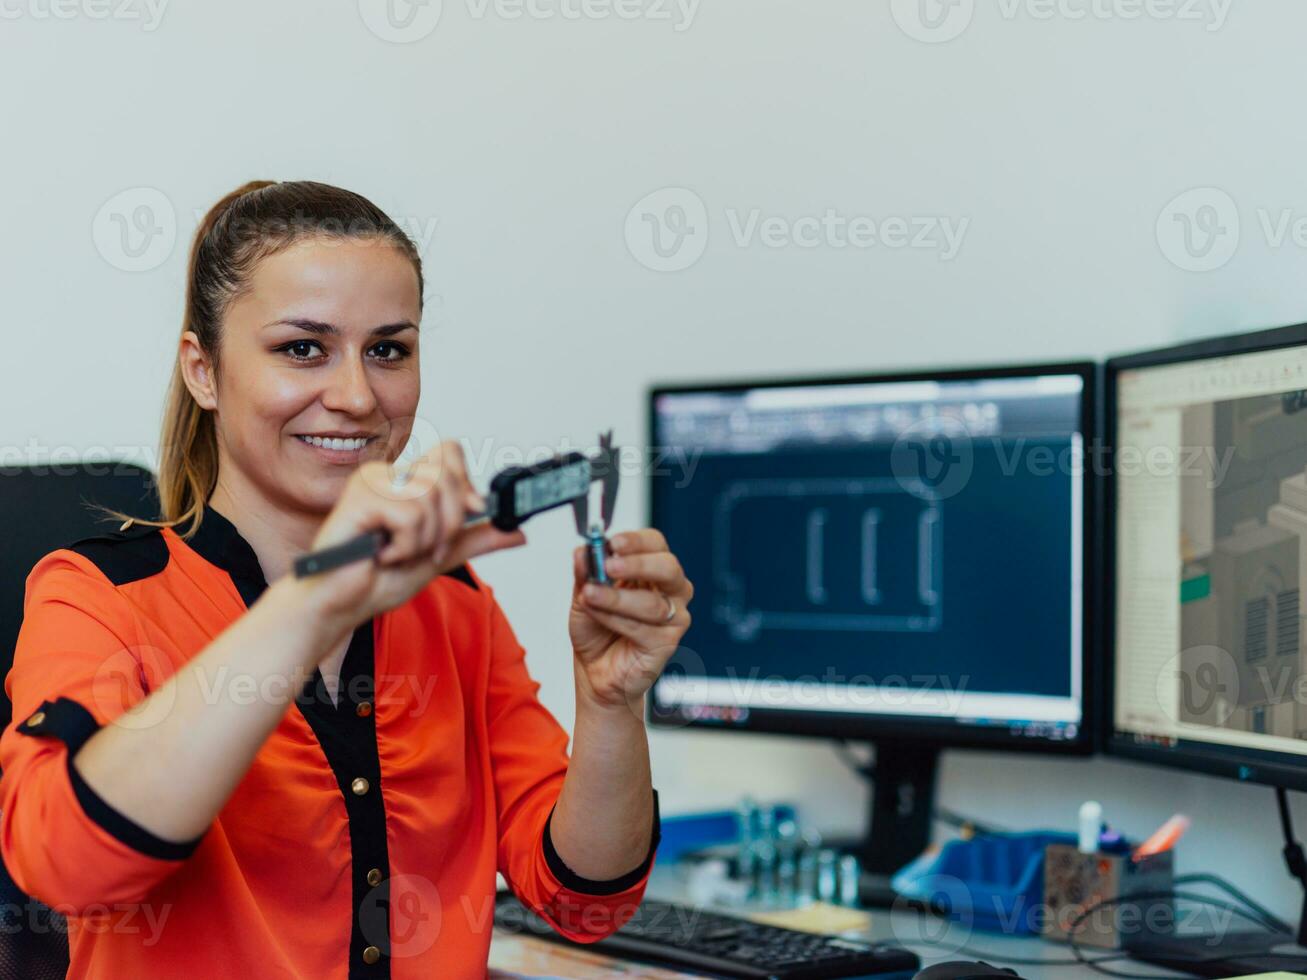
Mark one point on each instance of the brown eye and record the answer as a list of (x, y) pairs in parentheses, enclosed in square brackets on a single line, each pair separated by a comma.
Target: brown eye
[(299, 350), (389, 347)]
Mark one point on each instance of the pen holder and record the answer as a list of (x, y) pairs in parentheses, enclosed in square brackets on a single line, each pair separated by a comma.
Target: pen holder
[(1074, 882)]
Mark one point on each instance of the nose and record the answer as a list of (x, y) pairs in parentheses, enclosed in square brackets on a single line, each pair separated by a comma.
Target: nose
[(349, 390)]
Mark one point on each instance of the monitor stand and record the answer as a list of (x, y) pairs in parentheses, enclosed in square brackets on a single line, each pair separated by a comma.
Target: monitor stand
[(902, 778)]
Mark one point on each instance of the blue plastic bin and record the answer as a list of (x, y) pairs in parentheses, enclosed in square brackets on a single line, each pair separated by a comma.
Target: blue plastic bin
[(995, 882)]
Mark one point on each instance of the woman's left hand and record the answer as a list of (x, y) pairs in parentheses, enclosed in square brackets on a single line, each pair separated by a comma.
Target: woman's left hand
[(622, 636)]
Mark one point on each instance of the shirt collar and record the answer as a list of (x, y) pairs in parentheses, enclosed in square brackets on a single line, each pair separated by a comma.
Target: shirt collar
[(218, 542)]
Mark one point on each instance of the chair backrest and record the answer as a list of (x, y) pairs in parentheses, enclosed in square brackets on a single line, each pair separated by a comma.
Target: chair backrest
[(44, 508)]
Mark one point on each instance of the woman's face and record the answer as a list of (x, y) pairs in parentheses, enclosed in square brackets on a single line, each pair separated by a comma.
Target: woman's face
[(318, 369)]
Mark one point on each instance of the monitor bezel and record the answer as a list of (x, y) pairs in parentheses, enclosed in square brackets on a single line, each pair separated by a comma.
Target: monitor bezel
[(892, 728), (1246, 765)]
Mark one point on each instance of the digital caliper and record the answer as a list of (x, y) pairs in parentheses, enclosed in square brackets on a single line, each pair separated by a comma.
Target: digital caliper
[(515, 495)]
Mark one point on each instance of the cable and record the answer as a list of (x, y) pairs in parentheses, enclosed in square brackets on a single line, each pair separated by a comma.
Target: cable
[(1293, 856), (1268, 919), (1254, 913), (994, 957), (1170, 894)]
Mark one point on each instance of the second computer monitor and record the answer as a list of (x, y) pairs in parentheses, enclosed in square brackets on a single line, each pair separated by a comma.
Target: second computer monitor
[(891, 558)]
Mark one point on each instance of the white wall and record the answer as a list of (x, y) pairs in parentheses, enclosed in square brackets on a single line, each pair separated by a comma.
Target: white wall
[(1059, 132)]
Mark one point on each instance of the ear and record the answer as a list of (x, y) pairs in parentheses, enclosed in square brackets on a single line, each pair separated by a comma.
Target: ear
[(197, 371)]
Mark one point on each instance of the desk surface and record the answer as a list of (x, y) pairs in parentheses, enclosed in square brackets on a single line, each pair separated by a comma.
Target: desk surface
[(934, 940)]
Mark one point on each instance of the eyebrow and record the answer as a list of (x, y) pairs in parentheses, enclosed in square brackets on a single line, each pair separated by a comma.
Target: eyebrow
[(318, 327)]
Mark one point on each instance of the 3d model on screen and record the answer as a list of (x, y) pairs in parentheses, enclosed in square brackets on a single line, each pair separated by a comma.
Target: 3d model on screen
[(1244, 554)]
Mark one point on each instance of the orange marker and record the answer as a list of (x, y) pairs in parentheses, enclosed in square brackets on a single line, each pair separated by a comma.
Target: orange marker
[(1163, 838)]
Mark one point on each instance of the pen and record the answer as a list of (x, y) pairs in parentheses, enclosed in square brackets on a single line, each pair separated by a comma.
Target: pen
[(1163, 838)]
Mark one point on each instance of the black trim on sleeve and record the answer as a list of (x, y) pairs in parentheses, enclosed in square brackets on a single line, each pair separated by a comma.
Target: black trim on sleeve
[(72, 724), (586, 886), (65, 719), (125, 829)]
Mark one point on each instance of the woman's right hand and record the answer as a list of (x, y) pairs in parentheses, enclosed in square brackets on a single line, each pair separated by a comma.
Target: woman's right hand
[(425, 518)]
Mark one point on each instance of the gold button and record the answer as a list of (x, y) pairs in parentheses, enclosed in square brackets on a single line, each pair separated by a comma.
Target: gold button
[(374, 877), (359, 786), (364, 709), (36, 718), (371, 954)]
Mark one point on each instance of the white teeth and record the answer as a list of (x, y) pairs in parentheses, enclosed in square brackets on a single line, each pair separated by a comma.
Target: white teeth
[(348, 445)]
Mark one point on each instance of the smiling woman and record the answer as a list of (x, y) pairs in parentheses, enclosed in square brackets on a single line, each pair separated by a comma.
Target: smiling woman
[(348, 818)]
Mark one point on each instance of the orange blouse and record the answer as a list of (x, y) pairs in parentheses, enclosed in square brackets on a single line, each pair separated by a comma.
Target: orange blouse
[(362, 843)]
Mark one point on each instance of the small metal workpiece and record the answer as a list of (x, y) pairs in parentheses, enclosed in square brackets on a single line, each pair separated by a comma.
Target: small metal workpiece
[(597, 546)]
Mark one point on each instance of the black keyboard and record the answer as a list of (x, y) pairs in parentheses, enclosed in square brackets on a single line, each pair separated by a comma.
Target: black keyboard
[(689, 938)]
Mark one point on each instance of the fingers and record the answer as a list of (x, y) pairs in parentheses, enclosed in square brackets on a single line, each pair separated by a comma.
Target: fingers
[(438, 486), (645, 636), (644, 606), (660, 569), (644, 539)]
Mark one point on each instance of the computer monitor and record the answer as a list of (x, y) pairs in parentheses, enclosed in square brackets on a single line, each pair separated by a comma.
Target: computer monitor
[(1207, 566), (902, 559)]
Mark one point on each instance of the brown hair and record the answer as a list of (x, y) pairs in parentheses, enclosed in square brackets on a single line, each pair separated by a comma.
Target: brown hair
[(251, 223)]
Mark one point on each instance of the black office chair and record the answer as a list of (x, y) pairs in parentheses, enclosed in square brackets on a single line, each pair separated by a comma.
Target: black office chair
[(43, 508)]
